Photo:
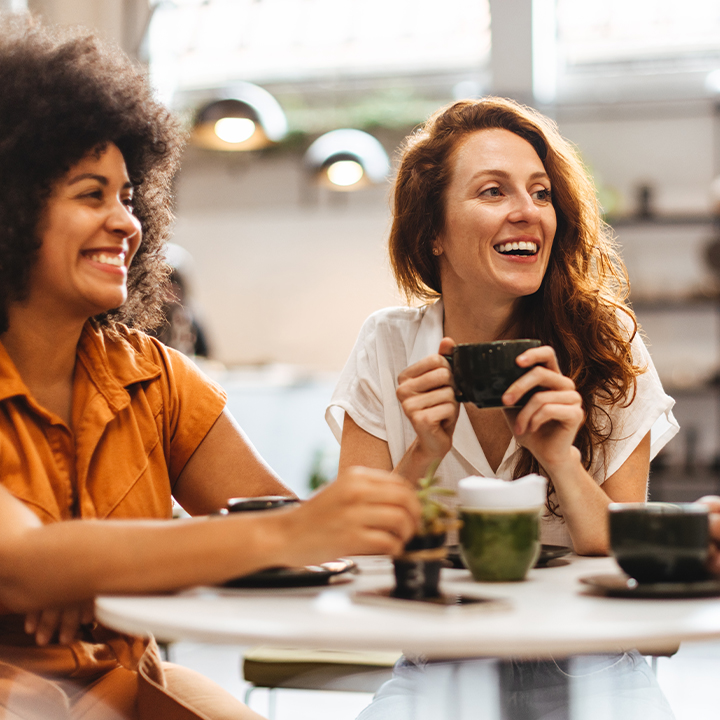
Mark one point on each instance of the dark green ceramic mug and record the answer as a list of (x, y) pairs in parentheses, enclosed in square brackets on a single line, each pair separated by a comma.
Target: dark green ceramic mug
[(482, 372), (658, 542)]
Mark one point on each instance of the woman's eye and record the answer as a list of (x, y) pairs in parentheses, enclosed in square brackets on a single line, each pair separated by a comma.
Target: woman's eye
[(94, 194), (491, 192), (543, 195)]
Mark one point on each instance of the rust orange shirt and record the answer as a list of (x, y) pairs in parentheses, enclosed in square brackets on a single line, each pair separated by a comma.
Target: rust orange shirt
[(139, 412)]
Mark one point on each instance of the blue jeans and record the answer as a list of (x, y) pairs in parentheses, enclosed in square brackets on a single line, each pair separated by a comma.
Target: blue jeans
[(595, 687)]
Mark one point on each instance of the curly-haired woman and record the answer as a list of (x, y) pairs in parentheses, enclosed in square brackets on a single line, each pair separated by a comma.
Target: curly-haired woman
[(101, 425), (497, 228)]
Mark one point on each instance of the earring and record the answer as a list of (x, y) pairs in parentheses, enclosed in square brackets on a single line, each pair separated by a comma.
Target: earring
[(436, 251)]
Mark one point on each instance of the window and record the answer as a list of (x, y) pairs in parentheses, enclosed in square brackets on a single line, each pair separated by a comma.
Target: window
[(609, 48), (329, 44)]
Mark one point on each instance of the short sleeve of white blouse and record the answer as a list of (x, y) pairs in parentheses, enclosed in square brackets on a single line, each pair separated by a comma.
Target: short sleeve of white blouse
[(394, 338)]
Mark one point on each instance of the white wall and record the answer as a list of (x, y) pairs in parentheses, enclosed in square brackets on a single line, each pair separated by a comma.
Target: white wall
[(674, 154), (282, 274)]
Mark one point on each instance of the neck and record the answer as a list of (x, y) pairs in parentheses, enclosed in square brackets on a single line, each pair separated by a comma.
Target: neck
[(477, 321), (42, 346)]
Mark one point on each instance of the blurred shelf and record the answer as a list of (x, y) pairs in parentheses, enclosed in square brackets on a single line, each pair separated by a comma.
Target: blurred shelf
[(698, 301), (637, 220), (682, 484)]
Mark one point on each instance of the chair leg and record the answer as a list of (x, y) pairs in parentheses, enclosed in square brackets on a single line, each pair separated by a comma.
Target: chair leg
[(654, 664), (272, 698), (165, 651)]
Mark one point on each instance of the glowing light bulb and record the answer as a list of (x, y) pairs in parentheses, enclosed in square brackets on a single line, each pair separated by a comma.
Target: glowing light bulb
[(345, 173), (234, 130), (712, 81)]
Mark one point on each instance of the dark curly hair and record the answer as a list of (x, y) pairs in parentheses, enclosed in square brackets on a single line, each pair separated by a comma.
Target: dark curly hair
[(580, 308), (64, 94)]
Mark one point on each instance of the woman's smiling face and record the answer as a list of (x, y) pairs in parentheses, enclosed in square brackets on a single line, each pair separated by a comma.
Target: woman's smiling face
[(89, 236), (499, 219)]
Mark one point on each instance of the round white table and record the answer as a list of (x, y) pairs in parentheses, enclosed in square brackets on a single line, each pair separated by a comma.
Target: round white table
[(549, 614)]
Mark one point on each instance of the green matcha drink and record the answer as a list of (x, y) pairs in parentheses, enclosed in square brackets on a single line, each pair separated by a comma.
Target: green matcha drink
[(499, 545)]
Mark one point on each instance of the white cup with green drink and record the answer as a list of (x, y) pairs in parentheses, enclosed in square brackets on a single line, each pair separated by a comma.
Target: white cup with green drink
[(500, 533)]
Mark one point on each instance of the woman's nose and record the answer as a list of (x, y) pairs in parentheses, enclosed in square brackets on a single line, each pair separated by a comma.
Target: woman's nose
[(524, 209), (122, 221)]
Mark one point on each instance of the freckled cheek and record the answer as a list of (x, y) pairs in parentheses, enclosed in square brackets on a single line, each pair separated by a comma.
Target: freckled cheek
[(551, 223)]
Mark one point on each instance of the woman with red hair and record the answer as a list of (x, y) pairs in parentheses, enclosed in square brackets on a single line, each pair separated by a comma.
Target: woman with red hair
[(497, 231)]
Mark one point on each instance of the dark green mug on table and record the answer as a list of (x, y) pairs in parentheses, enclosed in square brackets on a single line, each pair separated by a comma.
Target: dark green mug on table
[(657, 542), (500, 533)]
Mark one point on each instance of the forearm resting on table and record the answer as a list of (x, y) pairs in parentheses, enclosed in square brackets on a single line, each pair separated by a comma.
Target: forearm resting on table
[(584, 504), (68, 562)]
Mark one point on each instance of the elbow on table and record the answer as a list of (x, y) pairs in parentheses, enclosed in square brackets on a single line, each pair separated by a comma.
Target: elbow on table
[(592, 548)]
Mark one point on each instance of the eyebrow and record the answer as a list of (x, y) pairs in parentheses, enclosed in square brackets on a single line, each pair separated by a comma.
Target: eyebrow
[(92, 176), (506, 175)]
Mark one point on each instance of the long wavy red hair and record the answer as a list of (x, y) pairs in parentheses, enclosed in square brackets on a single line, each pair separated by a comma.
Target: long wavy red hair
[(580, 309)]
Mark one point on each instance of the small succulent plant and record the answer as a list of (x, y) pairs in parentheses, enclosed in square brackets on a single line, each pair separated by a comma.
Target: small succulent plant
[(437, 517)]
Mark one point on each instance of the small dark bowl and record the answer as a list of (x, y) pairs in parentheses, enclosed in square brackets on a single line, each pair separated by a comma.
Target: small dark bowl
[(660, 542), (418, 578)]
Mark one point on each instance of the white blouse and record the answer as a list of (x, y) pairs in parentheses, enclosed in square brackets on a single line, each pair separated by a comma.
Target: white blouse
[(394, 338)]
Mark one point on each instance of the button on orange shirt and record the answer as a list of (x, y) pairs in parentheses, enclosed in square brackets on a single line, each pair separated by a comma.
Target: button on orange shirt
[(139, 412)]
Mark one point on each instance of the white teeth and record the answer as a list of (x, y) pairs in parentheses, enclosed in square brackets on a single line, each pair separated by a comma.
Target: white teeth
[(526, 245), (116, 260)]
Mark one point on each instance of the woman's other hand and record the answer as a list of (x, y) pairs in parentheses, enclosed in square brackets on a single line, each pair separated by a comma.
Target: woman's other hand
[(427, 397), (363, 512), (66, 622), (549, 422)]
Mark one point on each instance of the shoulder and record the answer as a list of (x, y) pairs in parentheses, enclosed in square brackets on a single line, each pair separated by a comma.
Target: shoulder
[(634, 337), (396, 317), (138, 342), (126, 346), (133, 356), (394, 324)]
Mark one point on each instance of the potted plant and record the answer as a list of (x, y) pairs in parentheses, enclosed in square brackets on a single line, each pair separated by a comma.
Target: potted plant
[(417, 570)]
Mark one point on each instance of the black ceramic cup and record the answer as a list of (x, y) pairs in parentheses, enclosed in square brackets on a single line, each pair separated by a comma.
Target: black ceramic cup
[(660, 542), (482, 372)]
